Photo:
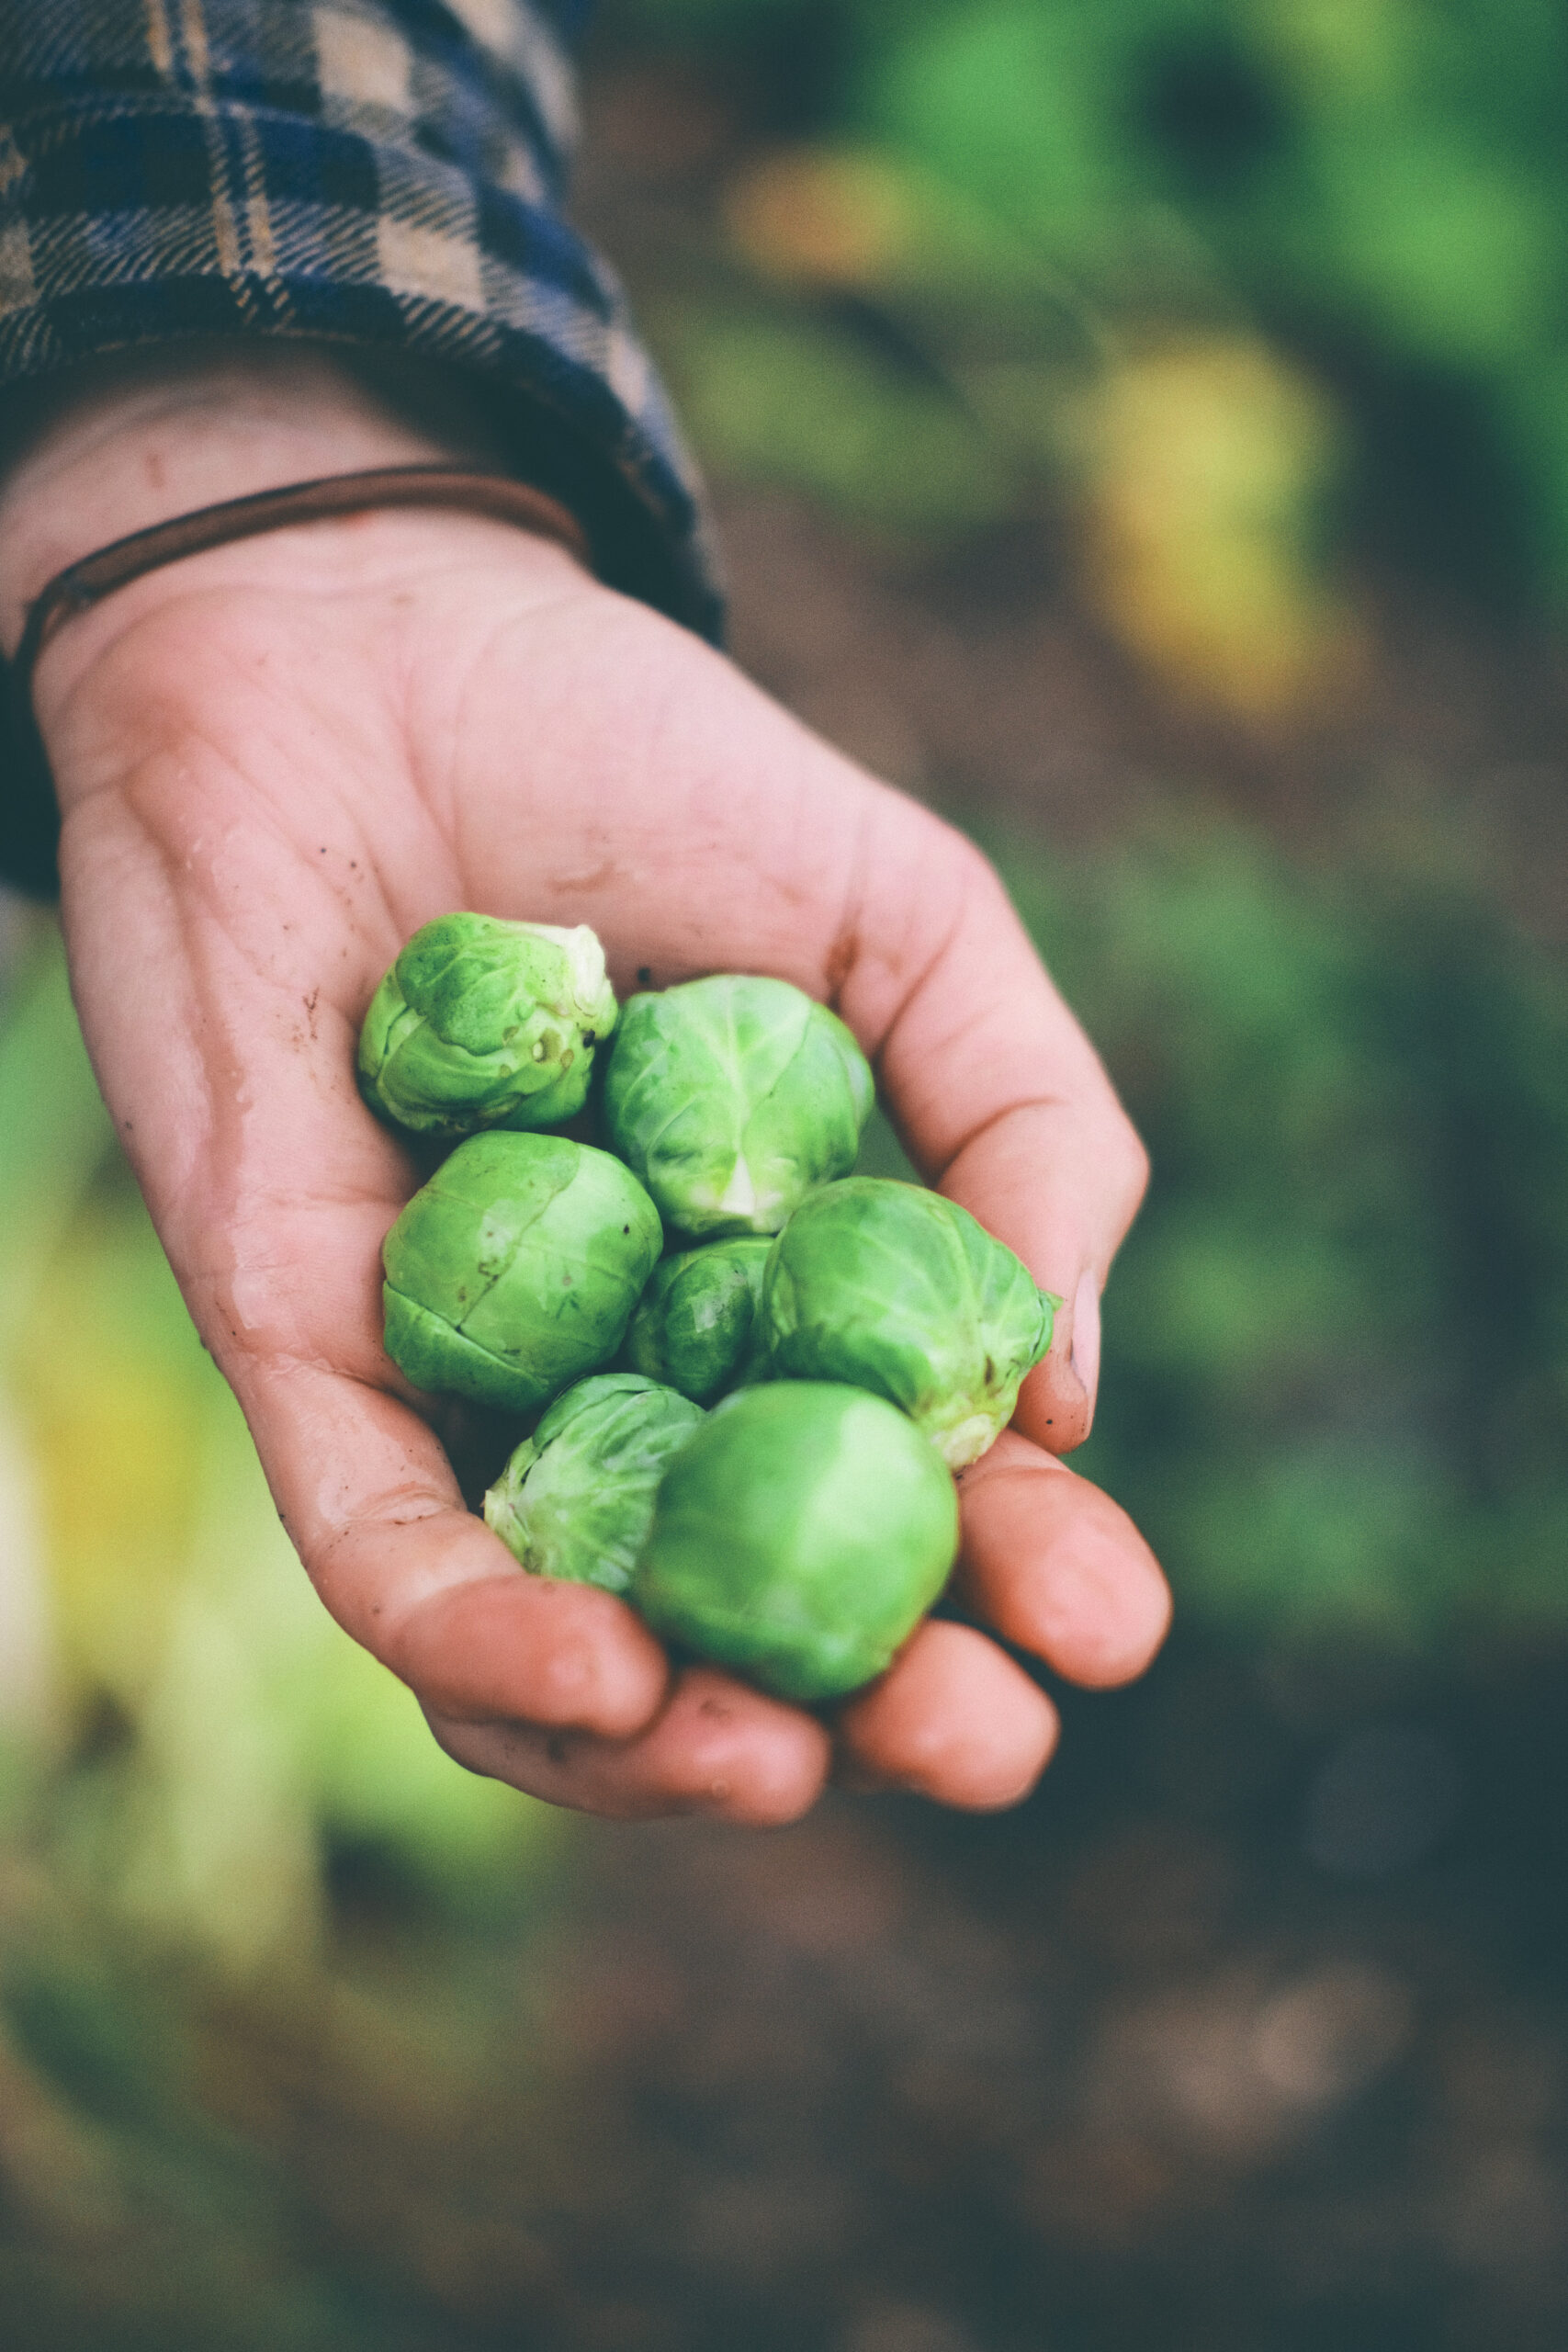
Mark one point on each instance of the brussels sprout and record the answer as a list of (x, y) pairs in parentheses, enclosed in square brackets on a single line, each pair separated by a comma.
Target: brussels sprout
[(733, 1098), (799, 1536), (485, 1023), (698, 1324), (516, 1268), (900, 1291), (576, 1499)]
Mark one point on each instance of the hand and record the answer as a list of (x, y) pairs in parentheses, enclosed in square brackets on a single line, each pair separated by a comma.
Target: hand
[(275, 762)]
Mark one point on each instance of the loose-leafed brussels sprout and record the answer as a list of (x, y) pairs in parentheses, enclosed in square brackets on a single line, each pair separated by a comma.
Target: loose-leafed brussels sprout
[(900, 1291), (697, 1326), (576, 1499), (799, 1535), (733, 1098), (485, 1023), (515, 1269)]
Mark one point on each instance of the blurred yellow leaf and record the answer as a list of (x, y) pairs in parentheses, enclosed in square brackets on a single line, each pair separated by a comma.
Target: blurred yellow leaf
[(1203, 463), (110, 1376), (54, 1130), (1342, 50)]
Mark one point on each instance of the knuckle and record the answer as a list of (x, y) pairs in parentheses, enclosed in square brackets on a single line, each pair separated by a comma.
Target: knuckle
[(565, 1679)]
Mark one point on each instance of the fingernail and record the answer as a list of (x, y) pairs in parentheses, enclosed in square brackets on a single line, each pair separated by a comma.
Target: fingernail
[(1086, 1333)]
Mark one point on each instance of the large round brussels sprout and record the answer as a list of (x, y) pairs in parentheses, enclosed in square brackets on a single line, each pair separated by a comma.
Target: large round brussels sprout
[(576, 1499), (698, 1326), (799, 1535), (733, 1098), (485, 1023), (515, 1271), (900, 1291)]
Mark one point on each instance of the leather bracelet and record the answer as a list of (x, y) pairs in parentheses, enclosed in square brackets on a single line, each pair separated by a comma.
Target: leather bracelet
[(26, 788), (82, 585)]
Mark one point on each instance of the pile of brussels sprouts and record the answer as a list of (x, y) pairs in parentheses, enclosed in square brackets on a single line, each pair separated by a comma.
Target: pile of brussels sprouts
[(751, 1373)]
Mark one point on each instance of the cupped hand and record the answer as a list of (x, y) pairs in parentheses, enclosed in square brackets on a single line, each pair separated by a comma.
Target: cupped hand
[(275, 762)]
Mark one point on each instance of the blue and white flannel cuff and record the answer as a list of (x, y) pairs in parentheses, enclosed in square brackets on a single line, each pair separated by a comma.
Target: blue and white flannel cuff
[(384, 173)]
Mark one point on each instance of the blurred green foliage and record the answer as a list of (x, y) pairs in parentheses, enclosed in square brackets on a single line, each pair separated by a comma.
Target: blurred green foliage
[(804, 404), (1334, 1390), (1377, 186)]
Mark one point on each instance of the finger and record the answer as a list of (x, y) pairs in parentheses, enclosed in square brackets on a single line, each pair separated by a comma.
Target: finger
[(1055, 1567), (1027, 1178), (1002, 1101), (717, 1749), (954, 1719), (369, 1499), (559, 1655)]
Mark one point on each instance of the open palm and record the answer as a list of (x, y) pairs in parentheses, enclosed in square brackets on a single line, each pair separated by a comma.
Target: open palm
[(275, 762)]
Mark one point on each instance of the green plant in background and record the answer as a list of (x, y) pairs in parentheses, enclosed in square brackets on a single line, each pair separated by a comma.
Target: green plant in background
[(1336, 1380), (800, 402), (1337, 223), (1396, 166)]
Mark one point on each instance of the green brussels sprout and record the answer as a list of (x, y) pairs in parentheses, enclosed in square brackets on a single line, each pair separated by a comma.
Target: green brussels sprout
[(485, 1023), (733, 1098), (515, 1269), (698, 1325), (799, 1536), (900, 1291), (576, 1499)]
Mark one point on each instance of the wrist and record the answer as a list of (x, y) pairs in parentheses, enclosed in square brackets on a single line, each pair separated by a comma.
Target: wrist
[(148, 440)]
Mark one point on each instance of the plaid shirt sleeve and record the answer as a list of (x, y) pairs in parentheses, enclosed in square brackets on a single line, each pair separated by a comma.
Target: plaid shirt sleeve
[(378, 172)]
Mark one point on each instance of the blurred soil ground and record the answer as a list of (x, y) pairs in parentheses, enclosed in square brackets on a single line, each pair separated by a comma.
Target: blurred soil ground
[(1247, 2030)]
